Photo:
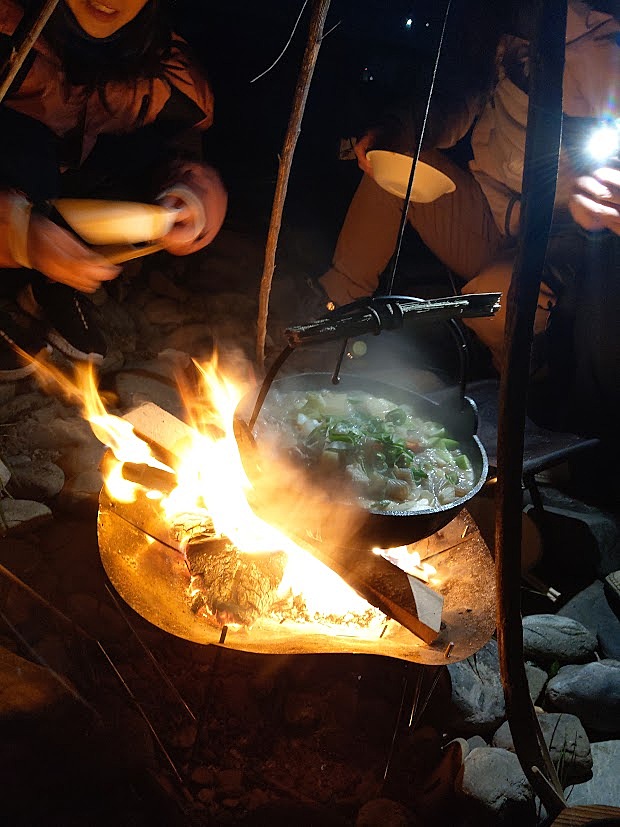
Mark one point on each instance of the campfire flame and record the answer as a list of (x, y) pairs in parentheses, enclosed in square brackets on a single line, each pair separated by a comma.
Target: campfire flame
[(212, 486), (409, 561), (212, 489)]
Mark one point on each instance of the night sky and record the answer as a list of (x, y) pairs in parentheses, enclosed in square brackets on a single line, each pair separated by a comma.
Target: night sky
[(367, 57)]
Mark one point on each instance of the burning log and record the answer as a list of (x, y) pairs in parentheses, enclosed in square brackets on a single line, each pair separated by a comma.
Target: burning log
[(234, 587), (240, 586), (166, 435), (154, 479), (399, 595)]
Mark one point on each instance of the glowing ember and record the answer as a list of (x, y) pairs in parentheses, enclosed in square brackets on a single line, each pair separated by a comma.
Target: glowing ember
[(407, 561)]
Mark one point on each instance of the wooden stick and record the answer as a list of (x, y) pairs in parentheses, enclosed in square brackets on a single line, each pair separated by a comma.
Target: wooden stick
[(20, 49), (315, 33), (540, 172)]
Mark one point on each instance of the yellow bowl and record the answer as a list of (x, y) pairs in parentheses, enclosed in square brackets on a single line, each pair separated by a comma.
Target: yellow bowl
[(391, 171), (115, 222)]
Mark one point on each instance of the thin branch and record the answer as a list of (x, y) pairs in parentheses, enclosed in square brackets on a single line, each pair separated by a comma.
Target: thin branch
[(286, 45), (20, 49), (317, 23)]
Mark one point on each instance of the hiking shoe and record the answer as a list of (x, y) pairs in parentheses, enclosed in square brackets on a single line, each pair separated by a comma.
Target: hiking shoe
[(18, 340), (69, 318)]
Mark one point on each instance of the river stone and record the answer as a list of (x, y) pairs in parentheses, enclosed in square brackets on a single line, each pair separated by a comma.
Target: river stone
[(7, 392), (135, 387), (604, 786), (566, 739), (477, 694), (548, 638), (23, 515), (26, 688), (476, 741), (196, 339), (383, 812), (5, 474), (591, 691), (492, 781), (37, 480), (81, 491), (19, 407), (165, 312), (536, 680), (592, 608), (163, 285)]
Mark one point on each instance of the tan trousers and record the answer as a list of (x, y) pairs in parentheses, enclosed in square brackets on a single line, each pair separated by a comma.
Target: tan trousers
[(458, 228)]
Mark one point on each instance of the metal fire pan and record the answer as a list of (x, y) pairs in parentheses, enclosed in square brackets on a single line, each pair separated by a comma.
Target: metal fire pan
[(143, 562)]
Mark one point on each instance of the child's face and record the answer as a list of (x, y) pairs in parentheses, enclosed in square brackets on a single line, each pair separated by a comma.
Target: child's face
[(101, 18)]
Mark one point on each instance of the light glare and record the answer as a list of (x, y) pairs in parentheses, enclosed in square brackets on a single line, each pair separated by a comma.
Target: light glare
[(604, 142)]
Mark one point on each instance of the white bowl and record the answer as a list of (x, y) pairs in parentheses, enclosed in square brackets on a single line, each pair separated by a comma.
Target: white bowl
[(115, 222), (391, 171)]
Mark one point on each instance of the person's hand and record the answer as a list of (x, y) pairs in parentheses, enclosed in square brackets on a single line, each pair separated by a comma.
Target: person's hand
[(198, 218), (62, 257), (363, 146), (595, 200)]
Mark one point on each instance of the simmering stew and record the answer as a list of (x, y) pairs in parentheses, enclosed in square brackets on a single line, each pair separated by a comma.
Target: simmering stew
[(390, 458)]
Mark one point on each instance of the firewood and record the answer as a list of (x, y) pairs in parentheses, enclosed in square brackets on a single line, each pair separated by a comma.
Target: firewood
[(167, 436), (234, 586), (243, 585), (407, 600)]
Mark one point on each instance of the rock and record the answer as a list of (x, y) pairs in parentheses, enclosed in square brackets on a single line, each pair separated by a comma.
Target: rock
[(476, 741), (5, 474), (477, 692), (81, 491), (18, 407), (37, 480), (164, 286), (383, 812), (85, 456), (120, 327), (114, 360), (591, 608), (23, 515), (203, 776), (72, 439), (173, 361), (567, 741), (167, 312), (492, 782), (229, 781), (603, 788), (25, 688), (548, 638), (7, 392), (195, 339), (536, 680), (591, 692), (135, 387)]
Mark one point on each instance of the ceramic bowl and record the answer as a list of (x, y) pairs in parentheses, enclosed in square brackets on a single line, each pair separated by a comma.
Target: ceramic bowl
[(391, 171), (115, 222)]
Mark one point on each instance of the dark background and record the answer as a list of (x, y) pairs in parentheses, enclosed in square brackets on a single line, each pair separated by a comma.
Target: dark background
[(371, 56)]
